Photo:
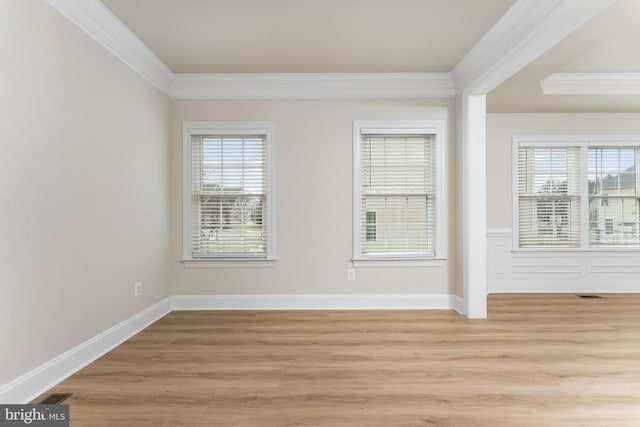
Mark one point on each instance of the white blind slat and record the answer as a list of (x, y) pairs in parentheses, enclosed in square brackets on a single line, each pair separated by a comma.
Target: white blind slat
[(228, 195), (580, 195), (614, 202), (549, 196), (397, 194)]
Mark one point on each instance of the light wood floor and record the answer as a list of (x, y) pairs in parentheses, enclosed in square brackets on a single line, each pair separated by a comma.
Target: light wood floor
[(540, 360)]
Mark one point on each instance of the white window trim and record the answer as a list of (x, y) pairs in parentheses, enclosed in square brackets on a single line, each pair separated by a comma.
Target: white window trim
[(584, 142), (400, 262), (436, 127), (212, 128)]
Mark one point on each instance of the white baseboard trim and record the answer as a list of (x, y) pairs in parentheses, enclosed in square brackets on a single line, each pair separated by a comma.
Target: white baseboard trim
[(458, 305), (564, 286), (32, 384), (39, 380), (315, 302)]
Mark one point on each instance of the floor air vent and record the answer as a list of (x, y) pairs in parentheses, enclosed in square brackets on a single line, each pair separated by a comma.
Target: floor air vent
[(590, 296), (55, 398)]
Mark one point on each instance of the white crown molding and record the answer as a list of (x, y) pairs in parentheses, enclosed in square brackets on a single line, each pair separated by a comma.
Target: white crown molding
[(37, 381), (98, 22), (591, 84), (525, 31), (328, 85)]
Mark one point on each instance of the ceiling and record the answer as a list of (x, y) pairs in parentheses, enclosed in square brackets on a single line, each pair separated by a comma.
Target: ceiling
[(369, 36), (308, 36)]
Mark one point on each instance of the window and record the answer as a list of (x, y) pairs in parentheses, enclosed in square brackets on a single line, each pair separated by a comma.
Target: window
[(549, 196), (397, 190), (577, 192), (227, 191), (614, 199)]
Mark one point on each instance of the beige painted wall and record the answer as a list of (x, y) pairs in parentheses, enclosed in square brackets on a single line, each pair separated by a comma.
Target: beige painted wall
[(83, 188), (501, 128), (313, 153)]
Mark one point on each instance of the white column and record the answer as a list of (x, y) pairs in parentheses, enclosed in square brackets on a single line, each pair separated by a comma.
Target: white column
[(474, 206)]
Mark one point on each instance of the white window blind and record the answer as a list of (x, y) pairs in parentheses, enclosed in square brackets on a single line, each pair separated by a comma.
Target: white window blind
[(549, 197), (228, 195), (614, 200), (397, 195), (577, 192)]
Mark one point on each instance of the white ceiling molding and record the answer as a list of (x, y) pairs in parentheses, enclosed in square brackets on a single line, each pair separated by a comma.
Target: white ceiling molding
[(98, 22), (325, 85), (591, 84), (524, 32)]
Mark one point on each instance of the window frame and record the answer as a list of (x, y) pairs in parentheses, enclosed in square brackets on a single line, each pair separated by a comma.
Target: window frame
[(190, 128), (583, 142), (401, 127)]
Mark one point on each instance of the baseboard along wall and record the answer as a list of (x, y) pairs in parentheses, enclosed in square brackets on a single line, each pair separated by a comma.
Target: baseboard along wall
[(37, 381)]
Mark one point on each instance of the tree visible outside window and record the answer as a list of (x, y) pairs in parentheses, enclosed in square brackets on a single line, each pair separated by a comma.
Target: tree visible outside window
[(228, 191)]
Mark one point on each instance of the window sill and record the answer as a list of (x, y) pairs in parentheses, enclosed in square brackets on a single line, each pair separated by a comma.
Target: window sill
[(229, 263), (399, 262)]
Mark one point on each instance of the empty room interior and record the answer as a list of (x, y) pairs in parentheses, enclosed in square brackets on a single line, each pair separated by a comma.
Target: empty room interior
[(321, 212)]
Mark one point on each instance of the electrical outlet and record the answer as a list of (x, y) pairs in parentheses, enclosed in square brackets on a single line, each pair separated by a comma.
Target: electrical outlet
[(137, 289), (351, 274)]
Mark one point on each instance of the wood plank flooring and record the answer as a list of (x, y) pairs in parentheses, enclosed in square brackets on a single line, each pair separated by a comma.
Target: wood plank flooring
[(539, 360)]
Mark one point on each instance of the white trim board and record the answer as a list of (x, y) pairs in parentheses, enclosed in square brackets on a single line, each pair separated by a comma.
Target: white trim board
[(311, 86), (604, 286), (316, 302), (30, 385), (458, 305), (525, 31), (591, 84)]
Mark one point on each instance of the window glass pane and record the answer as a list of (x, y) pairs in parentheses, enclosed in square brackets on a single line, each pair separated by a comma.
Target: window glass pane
[(228, 195), (403, 224), (613, 197), (398, 194), (549, 197), (612, 171)]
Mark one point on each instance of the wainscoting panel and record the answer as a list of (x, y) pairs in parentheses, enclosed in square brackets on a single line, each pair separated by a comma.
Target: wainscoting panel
[(558, 271)]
